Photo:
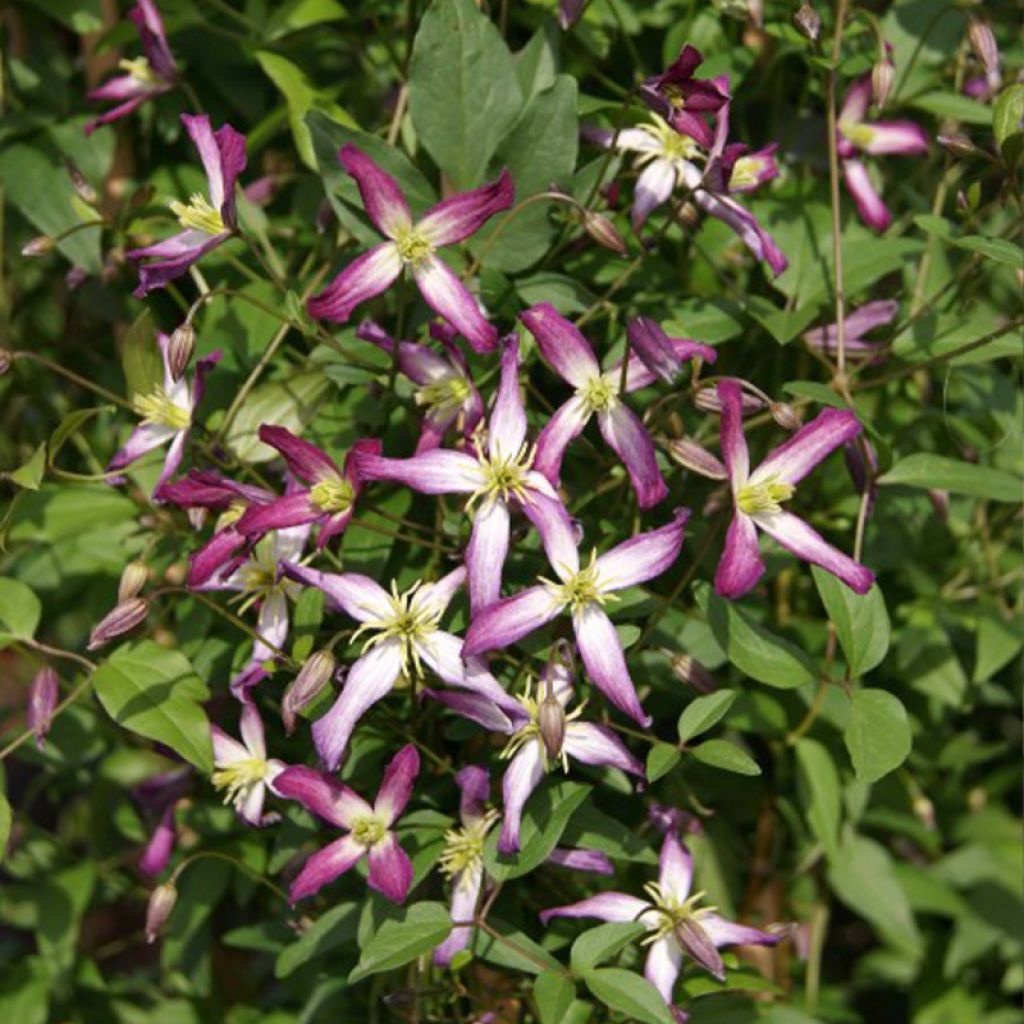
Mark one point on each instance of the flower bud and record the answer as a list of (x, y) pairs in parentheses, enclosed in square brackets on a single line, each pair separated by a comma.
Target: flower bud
[(958, 145), (569, 12), (80, 184), (180, 349), (314, 675), (881, 81), (983, 42), (42, 699), (604, 232), (692, 672), (808, 22), (124, 617), (158, 910), (39, 245), (133, 579), (785, 415), (696, 458), (551, 724), (6, 362)]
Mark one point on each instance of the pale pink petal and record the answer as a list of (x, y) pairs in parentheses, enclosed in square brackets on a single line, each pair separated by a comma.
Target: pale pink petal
[(226, 750), (636, 140), (358, 596), (141, 440), (602, 655), (321, 795), (365, 277), (565, 425), (741, 565), (593, 861), (899, 138), (735, 454), (465, 893), (324, 867), (664, 961), (608, 906), (813, 442), (506, 424), (435, 472), (630, 440), (486, 552), (522, 777), (477, 708), (597, 745), (857, 101), (675, 869), (157, 853), (442, 652), (455, 219), (561, 344), (759, 241), (474, 784), (199, 130), (727, 933), (251, 731), (870, 205), (272, 627), (172, 460), (511, 619), (644, 556), (653, 187), (383, 200), (447, 296), (557, 534), (436, 597), (396, 786)]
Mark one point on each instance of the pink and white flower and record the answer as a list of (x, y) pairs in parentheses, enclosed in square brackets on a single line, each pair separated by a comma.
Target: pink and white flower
[(368, 829), (414, 245), (860, 322), (683, 100), (243, 770)]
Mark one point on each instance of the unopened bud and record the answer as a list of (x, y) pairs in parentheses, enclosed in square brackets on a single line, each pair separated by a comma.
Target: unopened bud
[(314, 675), (925, 810), (707, 400), (133, 579), (551, 725), (882, 75), (158, 911), (696, 458), (124, 617), (689, 216), (690, 671), (808, 22), (958, 145), (983, 42), (42, 699), (569, 12), (940, 502), (180, 349), (38, 246), (80, 184), (6, 361), (785, 415), (604, 232), (324, 217)]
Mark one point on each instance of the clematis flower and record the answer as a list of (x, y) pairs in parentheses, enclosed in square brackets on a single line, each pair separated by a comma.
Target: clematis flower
[(584, 591), (414, 246), (368, 829), (167, 416), (330, 498), (145, 77), (759, 495), (598, 392), (860, 322), (444, 389), (875, 138), (662, 355), (206, 222), (243, 770), (683, 100), (43, 695), (496, 472), (404, 633), (677, 925)]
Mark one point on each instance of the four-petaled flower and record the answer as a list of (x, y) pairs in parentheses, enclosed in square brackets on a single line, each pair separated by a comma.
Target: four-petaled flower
[(683, 100), (368, 829), (677, 925), (413, 245), (243, 770)]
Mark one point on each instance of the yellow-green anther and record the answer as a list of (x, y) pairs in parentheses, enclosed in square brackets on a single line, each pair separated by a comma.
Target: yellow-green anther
[(332, 495), (199, 215), (766, 496), (159, 409), (413, 248)]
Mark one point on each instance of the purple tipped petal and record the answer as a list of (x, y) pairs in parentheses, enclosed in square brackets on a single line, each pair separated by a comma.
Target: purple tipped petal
[(474, 784), (522, 777), (726, 933), (644, 556), (812, 443), (172, 460), (448, 297), (557, 534), (675, 868), (199, 130), (653, 187), (561, 344), (142, 439), (741, 565), (857, 101), (475, 707), (629, 439), (664, 961), (870, 206), (396, 787), (506, 425), (455, 219), (358, 596), (511, 619), (325, 866), (695, 941), (597, 745), (321, 795), (231, 144), (391, 870), (608, 906), (465, 893), (292, 510), (365, 277), (593, 861), (158, 850), (435, 472), (150, 27), (172, 258), (735, 454), (305, 460), (561, 430), (900, 138), (383, 200), (802, 540), (746, 225), (647, 338), (602, 655), (486, 552)]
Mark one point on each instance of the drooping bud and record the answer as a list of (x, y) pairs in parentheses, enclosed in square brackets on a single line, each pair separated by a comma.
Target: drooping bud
[(569, 12), (696, 941), (958, 145), (314, 675), (604, 232), (42, 700), (882, 75), (707, 400), (808, 22), (133, 579), (690, 671), (696, 458), (551, 724), (785, 415), (180, 349), (124, 617), (983, 42), (158, 910), (80, 184), (38, 246)]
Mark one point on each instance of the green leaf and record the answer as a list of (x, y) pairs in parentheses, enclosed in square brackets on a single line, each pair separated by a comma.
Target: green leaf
[(537, 62), (1001, 250), (877, 733), (629, 994), (727, 756), (140, 357), (661, 759), (955, 106), (862, 623), (20, 612), (336, 927), (822, 797), (6, 817), (63, 899), (998, 642), (940, 473), (547, 813), (704, 712), (416, 930), (706, 320), (291, 403), (155, 692), (754, 650), (463, 92), (29, 475), (596, 945), (513, 949), (69, 426), (816, 391), (553, 993), (295, 15), (1007, 115)]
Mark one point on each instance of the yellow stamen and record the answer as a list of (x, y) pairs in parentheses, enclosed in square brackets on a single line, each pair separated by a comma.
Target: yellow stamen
[(409, 622), (140, 70), (464, 847), (766, 496), (671, 912), (531, 731), (858, 133), (413, 248), (504, 475), (745, 172), (159, 409), (369, 830), (581, 589), (238, 778), (199, 215), (334, 494), (444, 396), (599, 394)]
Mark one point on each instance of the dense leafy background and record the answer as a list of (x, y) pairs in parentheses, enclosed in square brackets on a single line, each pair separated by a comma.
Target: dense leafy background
[(857, 771)]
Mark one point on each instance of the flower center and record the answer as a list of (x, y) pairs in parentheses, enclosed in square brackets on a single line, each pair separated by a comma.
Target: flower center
[(239, 778), (534, 707), (858, 133), (140, 70), (413, 247), (333, 494), (199, 215), (409, 622), (599, 394), (369, 830), (445, 395), (464, 847), (581, 589), (671, 913), (504, 475), (231, 514), (160, 409), (745, 172), (766, 496)]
